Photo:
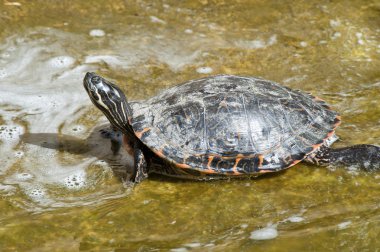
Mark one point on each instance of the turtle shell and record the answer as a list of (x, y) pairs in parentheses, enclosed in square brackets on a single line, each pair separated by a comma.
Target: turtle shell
[(231, 125)]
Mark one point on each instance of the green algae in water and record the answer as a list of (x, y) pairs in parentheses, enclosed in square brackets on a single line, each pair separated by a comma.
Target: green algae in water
[(58, 192)]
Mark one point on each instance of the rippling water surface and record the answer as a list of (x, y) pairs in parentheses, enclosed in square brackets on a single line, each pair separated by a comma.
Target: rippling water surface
[(60, 188)]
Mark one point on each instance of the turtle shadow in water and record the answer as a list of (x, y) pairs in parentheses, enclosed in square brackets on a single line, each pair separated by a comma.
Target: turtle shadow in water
[(159, 177), (94, 146)]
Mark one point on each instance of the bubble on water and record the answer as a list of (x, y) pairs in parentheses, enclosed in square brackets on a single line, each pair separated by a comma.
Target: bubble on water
[(10, 132), (61, 61), (155, 19), (36, 192), (295, 219), (78, 128), (193, 245), (336, 35), (344, 225), (19, 154), (75, 181), (97, 33), (188, 31), (146, 202), (204, 70), (179, 250), (244, 225), (266, 233), (334, 23), (23, 176), (303, 43)]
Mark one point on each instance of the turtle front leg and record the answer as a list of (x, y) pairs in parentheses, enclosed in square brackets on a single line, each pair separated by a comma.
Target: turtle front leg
[(141, 166)]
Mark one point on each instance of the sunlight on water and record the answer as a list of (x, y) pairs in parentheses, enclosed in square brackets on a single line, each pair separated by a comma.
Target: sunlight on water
[(59, 178)]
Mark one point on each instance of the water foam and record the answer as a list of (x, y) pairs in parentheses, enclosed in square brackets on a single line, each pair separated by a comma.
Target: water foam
[(76, 180), (40, 93), (97, 33), (266, 233), (344, 225)]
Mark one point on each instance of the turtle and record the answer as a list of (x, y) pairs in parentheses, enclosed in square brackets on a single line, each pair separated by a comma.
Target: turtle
[(224, 126)]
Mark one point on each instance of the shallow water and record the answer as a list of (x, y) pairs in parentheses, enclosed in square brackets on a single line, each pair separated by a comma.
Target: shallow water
[(59, 187)]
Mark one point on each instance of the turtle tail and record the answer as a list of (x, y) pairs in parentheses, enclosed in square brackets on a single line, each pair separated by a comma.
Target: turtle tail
[(363, 156)]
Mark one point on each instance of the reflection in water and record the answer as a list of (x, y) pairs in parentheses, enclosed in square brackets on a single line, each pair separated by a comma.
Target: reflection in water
[(95, 146), (52, 176), (70, 165)]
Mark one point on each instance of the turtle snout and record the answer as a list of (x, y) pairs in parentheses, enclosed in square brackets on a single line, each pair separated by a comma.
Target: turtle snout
[(89, 75), (93, 78)]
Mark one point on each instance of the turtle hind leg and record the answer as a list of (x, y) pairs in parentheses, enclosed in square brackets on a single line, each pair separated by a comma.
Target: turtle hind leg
[(141, 171), (115, 136), (362, 156)]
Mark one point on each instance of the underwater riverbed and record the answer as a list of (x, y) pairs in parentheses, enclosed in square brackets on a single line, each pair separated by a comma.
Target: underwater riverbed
[(59, 190)]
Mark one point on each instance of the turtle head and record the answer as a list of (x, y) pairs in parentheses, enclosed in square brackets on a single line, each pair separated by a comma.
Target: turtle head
[(110, 100)]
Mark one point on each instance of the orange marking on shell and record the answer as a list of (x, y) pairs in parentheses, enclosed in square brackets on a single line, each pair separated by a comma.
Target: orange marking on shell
[(265, 171), (208, 171), (261, 160), (339, 122), (210, 158), (183, 166), (140, 133), (234, 168), (331, 133), (159, 153), (316, 146), (294, 163)]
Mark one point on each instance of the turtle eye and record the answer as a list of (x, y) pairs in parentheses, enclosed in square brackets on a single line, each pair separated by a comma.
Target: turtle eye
[(96, 80)]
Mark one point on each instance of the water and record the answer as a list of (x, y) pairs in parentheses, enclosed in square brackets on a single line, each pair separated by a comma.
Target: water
[(60, 186)]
